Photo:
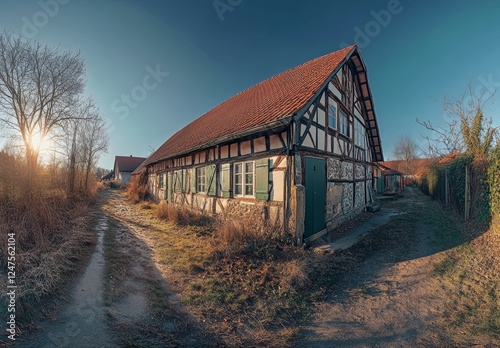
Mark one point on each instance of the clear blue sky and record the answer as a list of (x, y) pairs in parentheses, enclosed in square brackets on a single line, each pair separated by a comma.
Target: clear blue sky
[(415, 52)]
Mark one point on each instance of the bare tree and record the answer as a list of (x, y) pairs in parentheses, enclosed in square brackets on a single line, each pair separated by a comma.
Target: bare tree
[(39, 89), (466, 130), (94, 139), (406, 150)]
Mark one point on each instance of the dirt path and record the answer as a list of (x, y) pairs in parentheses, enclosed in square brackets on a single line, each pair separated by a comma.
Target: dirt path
[(82, 321), (141, 306), (120, 299), (392, 300)]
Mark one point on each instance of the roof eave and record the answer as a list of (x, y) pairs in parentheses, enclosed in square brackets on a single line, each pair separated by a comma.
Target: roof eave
[(283, 121)]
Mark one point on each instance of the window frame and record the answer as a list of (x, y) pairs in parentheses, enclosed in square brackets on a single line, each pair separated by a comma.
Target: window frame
[(243, 182), (344, 116), (359, 133), (161, 181), (330, 107), (201, 186)]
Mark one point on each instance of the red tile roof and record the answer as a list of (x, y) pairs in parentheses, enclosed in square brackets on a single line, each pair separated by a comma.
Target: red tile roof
[(274, 99), (128, 163), (418, 166)]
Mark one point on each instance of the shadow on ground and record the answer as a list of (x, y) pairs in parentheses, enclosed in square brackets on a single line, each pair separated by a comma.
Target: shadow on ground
[(382, 291)]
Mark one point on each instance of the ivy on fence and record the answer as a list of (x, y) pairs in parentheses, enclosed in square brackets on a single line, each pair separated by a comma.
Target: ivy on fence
[(484, 188), (494, 181)]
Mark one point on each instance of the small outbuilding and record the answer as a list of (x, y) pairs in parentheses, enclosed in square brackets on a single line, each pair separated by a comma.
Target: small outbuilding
[(124, 166), (387, 180)]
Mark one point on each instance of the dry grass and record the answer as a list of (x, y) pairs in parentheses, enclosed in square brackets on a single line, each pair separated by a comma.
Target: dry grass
[(470, 273), (294, 275), (167, 211), (234, 237), (51, 230), (136, 190), (244, 283), (180, 215)]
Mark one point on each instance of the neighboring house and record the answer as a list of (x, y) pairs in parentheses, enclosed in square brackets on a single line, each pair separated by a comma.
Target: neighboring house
[(294, 151), (387, 180), (413, 170), (124, 166), (109, 176)]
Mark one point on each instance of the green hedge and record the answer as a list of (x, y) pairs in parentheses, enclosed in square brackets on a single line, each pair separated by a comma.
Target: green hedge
[(433, 183), (494, 181)]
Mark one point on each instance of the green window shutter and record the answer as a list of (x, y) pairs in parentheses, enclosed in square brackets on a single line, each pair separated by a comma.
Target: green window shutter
[(184, 180), (177, 181), (262, 179), (211, 180), (169, 186), (226, 180), (165, 185), (193, 180)]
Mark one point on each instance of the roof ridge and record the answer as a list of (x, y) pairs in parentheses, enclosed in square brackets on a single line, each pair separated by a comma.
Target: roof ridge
[(274, 98)]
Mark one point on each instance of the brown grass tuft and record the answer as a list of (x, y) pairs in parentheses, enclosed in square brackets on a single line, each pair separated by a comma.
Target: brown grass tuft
[(181, 215), (136, 191), (235, 237), (293, 275), (168, 211)]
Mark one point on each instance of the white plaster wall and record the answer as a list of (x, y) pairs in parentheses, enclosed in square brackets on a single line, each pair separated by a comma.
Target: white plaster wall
[(245, 148), (259, 144)]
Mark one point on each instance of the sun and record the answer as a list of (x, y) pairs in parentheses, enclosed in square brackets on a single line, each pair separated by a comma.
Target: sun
[(38, 143)]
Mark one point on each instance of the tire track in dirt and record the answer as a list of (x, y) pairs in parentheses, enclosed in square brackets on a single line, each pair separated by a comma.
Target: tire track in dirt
[(82, 321), (143, 309), (121, 298)]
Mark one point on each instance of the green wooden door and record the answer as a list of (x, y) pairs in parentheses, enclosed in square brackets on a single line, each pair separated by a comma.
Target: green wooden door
[(315, 183)]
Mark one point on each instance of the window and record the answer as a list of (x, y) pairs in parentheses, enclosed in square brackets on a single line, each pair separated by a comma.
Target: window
[(359, 133), (200, 180), (162, 181), (332, 115), (244, 179), (344, 124)]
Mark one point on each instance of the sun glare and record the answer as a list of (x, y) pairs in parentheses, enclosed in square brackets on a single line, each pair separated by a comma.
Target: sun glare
[(38, 143)]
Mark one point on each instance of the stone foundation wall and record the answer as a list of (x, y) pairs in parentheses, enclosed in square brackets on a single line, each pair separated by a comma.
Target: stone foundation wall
[(260, 213), (346, 190)]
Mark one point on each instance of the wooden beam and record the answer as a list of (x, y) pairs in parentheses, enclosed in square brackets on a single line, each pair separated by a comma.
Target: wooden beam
[(310, 121)]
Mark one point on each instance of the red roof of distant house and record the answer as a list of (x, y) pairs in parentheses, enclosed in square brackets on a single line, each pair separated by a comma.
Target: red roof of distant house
[(128, 163), (274, 99), (419, 165), (449, 158)]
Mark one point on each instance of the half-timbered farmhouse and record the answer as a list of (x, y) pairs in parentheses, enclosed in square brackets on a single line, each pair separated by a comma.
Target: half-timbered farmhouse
[(294, 151)]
